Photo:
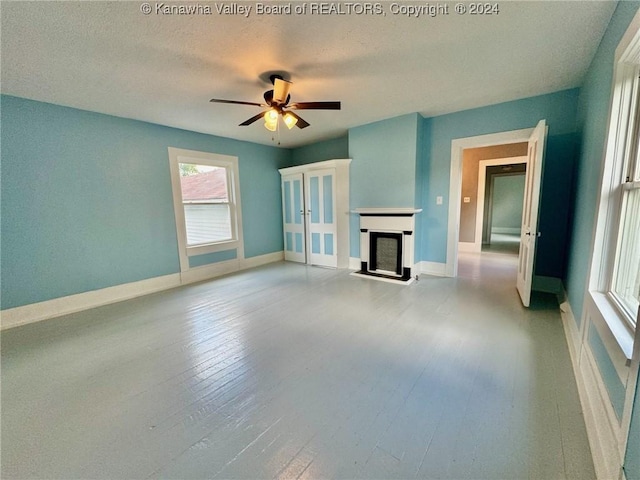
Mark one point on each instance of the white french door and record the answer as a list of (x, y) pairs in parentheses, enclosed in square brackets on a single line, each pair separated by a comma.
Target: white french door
[(320, 188), (293, 218), (530, 234)]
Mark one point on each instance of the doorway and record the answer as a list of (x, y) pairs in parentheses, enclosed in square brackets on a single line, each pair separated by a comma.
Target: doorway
[(458, 146), (500, 201), (492, 193), (536, 139)]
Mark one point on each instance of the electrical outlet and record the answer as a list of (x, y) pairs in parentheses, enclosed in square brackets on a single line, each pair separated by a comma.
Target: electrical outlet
[(466, 199)]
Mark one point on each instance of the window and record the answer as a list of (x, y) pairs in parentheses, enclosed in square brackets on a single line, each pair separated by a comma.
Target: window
[(205, 199), (625, 281), (206, 194), (616, 262)]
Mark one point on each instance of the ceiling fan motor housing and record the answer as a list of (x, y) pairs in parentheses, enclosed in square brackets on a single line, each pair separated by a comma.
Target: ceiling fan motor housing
[(268, 98)]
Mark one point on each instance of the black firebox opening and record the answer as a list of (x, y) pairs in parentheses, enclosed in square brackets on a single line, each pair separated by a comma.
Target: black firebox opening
[(385, 252)]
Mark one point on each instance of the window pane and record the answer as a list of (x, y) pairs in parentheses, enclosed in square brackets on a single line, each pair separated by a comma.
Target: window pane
[(205, 198), (203, 183), (207, 223), (633, 169), (626, 284)]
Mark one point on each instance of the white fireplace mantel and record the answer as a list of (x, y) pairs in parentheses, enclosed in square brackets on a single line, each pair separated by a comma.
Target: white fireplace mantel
[(386, 211)]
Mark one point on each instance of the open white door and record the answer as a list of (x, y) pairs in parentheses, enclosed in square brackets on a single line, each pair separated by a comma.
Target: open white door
[(530, 232)]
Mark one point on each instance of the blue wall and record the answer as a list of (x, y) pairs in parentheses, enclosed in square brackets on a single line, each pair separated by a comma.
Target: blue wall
[(405, 162), (87, 200), (507, 211), (383, 168), (559, 110), (320, 151)]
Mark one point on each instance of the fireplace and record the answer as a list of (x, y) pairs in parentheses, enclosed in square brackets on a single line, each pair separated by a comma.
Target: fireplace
[(387, 243)]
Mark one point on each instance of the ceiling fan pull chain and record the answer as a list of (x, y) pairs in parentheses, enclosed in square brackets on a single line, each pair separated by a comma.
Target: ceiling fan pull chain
[(278, 129)]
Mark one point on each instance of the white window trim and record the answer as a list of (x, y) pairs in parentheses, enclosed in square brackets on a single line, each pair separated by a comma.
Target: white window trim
[(625, 89), (230, 163)]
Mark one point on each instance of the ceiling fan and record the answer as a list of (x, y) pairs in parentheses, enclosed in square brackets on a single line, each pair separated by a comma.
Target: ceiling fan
[(277, 102)]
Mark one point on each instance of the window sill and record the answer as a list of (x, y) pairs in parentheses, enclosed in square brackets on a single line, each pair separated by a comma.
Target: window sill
[(212, 248), (617, 324)]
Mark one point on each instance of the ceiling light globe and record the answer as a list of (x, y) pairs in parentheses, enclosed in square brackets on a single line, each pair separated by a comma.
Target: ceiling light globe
[(289, 120)]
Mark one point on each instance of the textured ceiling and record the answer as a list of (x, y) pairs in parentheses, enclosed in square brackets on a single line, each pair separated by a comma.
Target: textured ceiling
[(109, 57)]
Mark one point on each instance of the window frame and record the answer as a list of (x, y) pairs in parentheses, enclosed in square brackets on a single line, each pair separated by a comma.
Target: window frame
[(230, 164), (621, 129), (626, 164)]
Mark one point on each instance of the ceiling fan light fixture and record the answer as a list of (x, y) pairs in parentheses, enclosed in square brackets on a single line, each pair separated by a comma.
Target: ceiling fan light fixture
[(289, 120), (271, 120), (272, 115), (277, 105)]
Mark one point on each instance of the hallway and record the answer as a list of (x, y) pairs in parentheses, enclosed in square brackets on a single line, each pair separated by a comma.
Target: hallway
[(503, 243), (289, 371)]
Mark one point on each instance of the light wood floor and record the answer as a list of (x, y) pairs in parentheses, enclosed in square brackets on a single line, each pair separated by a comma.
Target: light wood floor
[(502, 243), (289, 371)]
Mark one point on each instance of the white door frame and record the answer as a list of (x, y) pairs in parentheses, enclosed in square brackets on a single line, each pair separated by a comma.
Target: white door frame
[(458, 145)]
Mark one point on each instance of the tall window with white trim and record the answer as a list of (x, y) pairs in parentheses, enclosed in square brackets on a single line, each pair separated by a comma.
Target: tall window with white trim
[(625, 281), (206, 199)]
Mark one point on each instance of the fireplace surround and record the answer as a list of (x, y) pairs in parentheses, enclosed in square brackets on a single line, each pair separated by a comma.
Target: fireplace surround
[(387, 239)]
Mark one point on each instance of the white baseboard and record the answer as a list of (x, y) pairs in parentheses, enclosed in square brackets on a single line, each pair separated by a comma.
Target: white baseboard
[(432, 268), (35, 312), (571, 332), (206, 272), (599, 417), (598, 413), (507, 230), (354, 263), (469, 247), (260, 260)]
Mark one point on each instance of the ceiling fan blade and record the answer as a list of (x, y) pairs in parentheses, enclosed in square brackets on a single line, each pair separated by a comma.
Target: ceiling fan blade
[(301, 123), (252, 119), (236, 102), (316, 106), (280, 90)]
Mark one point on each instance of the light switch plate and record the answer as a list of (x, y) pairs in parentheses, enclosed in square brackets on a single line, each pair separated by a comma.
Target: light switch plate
[(439, 200)]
